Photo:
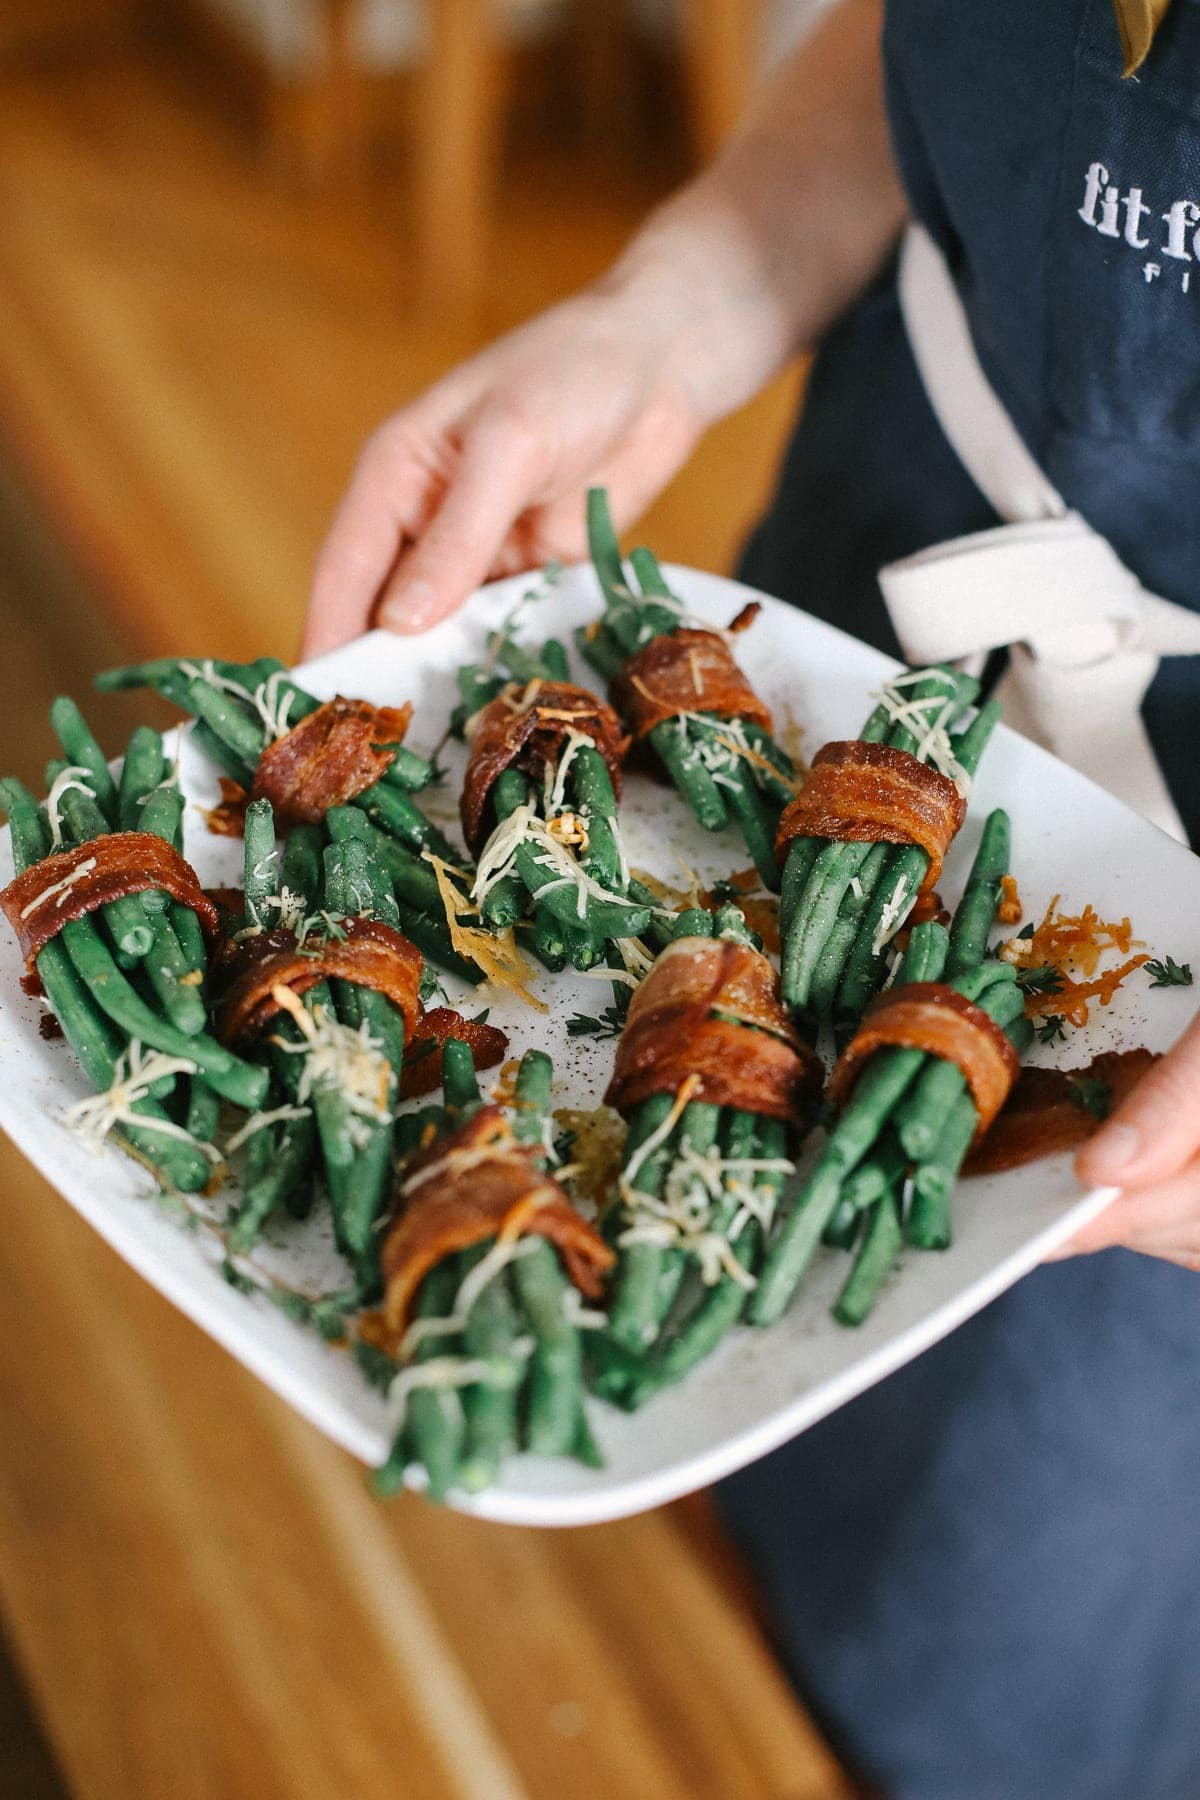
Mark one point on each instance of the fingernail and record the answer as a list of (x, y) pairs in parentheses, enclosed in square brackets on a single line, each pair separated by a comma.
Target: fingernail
[(1112, 1150), (412, 609)]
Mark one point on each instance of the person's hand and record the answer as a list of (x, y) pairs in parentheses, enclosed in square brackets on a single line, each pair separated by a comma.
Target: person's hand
[(1150, 1149), (483, 475)]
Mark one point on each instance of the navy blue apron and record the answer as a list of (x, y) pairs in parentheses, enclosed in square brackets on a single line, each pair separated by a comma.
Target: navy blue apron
[(985, 1573)]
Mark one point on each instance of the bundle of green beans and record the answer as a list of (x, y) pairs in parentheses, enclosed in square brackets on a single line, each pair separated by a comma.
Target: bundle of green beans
[(888, 1170), (320, 1123), (509, 1375), (700, 1184), (575, 888), (241, 708), (841, 903), (231, 702), (724, 768), (127, 981)]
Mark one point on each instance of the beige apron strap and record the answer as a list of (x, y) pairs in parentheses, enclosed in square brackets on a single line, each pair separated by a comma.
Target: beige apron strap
[(1086, 636)]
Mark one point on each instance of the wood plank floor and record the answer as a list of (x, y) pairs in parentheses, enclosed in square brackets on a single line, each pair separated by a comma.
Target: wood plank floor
[(202, 1598)]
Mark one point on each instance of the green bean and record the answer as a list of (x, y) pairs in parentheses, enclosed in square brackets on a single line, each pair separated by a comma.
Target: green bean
[(490, 1408), (880, 1247), (204, 1110), (633, 1311), (436, 1428), (555, 1388), (260, 862), (928, 1223), (141, 772), (595, 799), (677, 752), (605, 549), (300, 869), (831, 962), (460, 1088), (729, 923), (876, 1092), (162, 815), (757, 825), (81, 748), (531, 1097), (885, 1166), (598, 648), (832, 872), (693, 921), (125, 918), (392, 811), (801, 854), (976, 912), (168, 969), (244, 735), (554, 658), (236, 1080)]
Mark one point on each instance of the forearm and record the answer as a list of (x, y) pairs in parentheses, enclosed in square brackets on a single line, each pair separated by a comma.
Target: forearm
[(755, 258)]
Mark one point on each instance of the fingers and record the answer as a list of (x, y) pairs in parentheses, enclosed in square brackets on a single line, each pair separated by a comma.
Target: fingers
[(365, 539), (499, 473), (1157, 1130), (1160, 1220)]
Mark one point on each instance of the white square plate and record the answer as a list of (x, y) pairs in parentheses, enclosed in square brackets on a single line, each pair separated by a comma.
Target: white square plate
[(760, 1388)]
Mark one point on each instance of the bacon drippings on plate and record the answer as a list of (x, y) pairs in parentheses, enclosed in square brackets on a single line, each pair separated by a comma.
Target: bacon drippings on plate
[(422, 1071), (1045, 1113), (472, 1184), (711, 1010), (864, 793), (685, 672), (228, 817), (929, 1016), (329, 757), (72, 883), (368, 953), (526, 727)]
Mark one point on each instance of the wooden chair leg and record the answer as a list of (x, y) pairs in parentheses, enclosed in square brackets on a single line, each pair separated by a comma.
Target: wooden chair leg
[(457, 150), (722, 40)]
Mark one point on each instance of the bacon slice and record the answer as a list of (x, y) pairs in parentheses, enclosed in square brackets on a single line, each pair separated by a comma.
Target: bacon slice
[(473, 1184), (71, 883), (681, 672), (1043, 1114), (873, 794), (928, 1015), (423, 1063), (327, 759), (750, 1058), (370, 953), (526, 727)]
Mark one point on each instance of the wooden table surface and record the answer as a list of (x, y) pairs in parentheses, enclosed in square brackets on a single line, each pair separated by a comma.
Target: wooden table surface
[(198, 1590)]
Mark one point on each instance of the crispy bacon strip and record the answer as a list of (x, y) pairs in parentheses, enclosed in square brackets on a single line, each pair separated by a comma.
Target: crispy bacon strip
[(371, 954), (74, 882), (928, 1015), (423, 1063), (327, 759), (473, 1184), (873, 794), (750, 1057), (526, 727), (1043, 1114), (681, 672)]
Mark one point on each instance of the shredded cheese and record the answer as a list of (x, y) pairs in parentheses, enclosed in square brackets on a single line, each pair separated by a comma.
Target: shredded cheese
[(443, 1373), (260, 1120), (137, 1072), (928, 721), (339, 1058), (1074, 944), (502, 1252), (495, 953), (891, 918)]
